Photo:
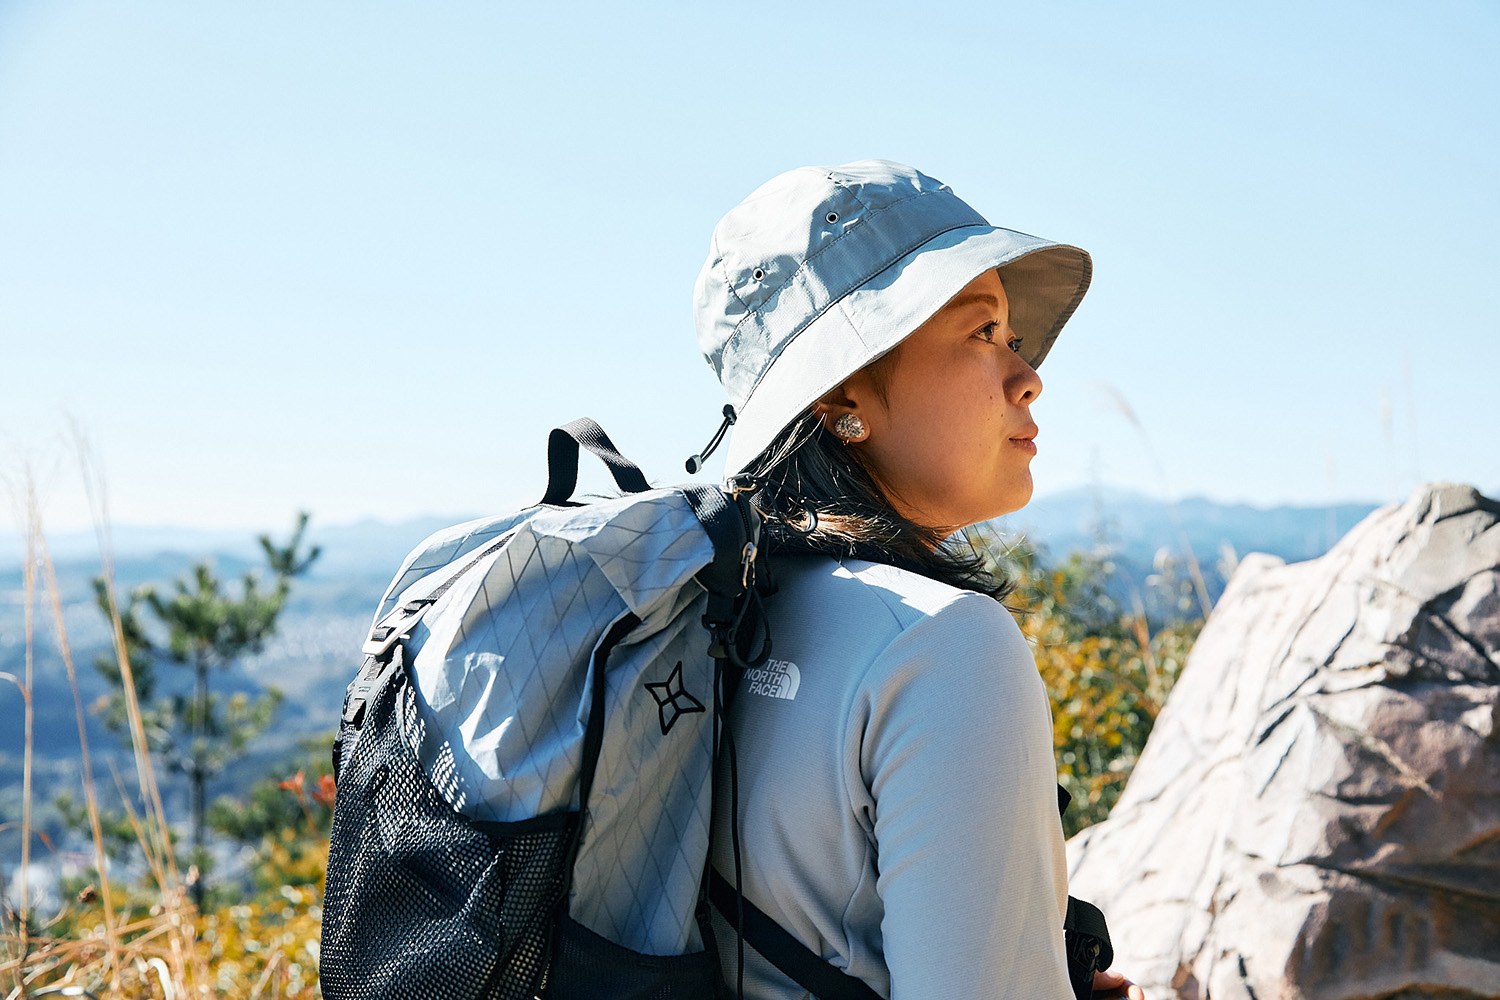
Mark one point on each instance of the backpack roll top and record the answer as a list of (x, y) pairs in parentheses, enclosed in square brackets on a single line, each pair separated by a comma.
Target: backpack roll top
[(502, 663)]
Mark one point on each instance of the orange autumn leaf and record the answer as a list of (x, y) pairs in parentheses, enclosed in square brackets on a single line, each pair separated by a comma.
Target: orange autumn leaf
[(326, 791)]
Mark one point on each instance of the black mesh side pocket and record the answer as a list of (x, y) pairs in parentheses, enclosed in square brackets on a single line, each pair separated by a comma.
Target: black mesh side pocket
[(420, 901), (589, 967)]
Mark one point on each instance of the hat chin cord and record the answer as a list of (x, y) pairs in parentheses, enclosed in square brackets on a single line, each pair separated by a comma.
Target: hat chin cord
[(695, 462)]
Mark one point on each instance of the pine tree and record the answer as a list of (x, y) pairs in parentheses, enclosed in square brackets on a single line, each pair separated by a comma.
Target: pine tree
[(208, 627)]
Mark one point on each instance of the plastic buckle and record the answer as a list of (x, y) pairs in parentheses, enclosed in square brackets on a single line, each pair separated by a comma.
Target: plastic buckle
[(395, 626)]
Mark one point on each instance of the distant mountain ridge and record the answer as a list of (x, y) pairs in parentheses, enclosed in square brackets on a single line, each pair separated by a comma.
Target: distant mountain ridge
[(1137, 526), (1132, 524), (359, 547)]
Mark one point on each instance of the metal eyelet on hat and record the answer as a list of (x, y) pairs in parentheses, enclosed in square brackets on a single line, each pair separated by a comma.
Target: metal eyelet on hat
[(757, 274), (833, 216)]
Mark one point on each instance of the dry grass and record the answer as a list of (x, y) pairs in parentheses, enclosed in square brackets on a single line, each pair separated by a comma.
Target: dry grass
[(144, 940), (1117, 401)]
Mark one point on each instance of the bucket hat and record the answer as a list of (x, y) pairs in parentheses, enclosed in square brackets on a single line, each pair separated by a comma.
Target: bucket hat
[(821, 270)]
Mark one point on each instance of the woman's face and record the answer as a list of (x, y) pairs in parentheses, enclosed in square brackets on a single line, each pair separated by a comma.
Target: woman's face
[(949, 416)]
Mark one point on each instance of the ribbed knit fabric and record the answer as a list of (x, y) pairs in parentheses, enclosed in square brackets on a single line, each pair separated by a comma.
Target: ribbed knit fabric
[(897, 790)]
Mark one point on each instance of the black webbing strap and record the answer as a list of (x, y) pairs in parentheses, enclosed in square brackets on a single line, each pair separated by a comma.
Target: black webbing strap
[(725, 522), (825, 982), (1086, 918), (1085, 934), (562, 461), (784, 951), (724, 576), (400, 620), (396, 625)]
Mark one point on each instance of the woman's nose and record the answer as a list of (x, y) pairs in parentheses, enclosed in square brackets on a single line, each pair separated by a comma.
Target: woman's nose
[(1024, 385)]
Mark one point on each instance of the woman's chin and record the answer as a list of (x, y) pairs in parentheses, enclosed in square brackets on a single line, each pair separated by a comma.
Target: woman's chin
[(1015, 495)]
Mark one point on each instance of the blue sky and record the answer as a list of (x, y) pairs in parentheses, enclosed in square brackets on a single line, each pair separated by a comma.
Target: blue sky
[(358, 258)]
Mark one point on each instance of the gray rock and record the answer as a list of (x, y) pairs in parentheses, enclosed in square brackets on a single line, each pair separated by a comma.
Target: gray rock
[(1317, 812)]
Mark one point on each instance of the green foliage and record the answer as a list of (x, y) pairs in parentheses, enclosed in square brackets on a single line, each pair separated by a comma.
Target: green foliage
[(115, 826), (1107, 672), (301, 800)]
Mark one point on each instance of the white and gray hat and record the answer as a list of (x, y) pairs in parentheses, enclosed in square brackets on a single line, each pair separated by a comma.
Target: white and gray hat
[(823, 269)]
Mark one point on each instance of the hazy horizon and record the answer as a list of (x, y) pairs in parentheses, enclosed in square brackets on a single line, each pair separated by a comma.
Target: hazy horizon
[(10, 530)]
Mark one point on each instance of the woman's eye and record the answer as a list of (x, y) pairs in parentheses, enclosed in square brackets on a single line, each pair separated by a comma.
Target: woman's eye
[(1015, 345), (987, 332)]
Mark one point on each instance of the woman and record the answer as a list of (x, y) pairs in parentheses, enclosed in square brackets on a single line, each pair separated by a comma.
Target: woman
[(896, 789)]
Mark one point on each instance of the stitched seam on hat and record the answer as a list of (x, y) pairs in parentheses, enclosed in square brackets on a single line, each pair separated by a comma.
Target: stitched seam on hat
[(850, 192), (713, 246), (859, 332), (838, 301), (728, 284)]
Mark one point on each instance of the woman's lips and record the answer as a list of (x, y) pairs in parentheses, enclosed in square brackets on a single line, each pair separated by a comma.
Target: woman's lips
[(1026, 444)]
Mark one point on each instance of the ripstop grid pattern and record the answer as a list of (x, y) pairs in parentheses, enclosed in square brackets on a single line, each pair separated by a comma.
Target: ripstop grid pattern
[(443, 548), (647, 546), (502, 675), (645, 839)]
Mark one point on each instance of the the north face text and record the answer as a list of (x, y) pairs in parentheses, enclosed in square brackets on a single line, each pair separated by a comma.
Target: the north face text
[(777, 679)]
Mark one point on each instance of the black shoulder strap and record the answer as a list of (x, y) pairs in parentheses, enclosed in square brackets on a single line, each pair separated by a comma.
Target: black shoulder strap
[(562, 461), (784, 951), (722, 521), (1086, 918), (1085, 934), (824, 981)]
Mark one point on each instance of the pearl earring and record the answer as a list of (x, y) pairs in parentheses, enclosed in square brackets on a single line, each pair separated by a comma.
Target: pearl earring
[(850, 428)]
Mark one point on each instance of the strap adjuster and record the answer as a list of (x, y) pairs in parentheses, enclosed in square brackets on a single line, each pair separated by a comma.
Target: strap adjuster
[(396, 626)]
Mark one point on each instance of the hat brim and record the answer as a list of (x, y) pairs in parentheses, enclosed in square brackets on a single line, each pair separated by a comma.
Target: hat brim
[(1044, 283)]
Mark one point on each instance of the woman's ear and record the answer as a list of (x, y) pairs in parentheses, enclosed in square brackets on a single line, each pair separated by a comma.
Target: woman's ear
[(841, 415)]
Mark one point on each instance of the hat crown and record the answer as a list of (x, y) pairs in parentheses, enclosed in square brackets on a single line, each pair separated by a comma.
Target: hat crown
[(797, 244)]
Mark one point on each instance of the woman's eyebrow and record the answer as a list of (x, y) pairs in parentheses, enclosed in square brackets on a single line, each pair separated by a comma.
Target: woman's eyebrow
[(978, 298)]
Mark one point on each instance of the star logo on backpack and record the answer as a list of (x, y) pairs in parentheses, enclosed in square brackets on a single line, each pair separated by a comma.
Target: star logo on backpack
[(672, 699)]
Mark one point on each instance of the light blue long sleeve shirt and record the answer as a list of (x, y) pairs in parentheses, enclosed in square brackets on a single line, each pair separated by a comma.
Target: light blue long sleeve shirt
[(897, 791)]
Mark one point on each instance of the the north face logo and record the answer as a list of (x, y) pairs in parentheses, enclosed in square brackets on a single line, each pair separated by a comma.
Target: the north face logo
[(777, 679)]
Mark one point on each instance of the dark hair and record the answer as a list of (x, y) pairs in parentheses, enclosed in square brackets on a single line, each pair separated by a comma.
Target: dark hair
[(818, 496)]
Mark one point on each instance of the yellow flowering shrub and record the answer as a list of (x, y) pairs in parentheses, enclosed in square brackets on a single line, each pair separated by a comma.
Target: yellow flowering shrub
[(267, 947), (1107, 673)]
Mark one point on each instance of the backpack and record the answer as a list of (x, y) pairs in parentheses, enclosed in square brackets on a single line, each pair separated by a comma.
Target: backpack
[(524, 762), (525, 758)]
